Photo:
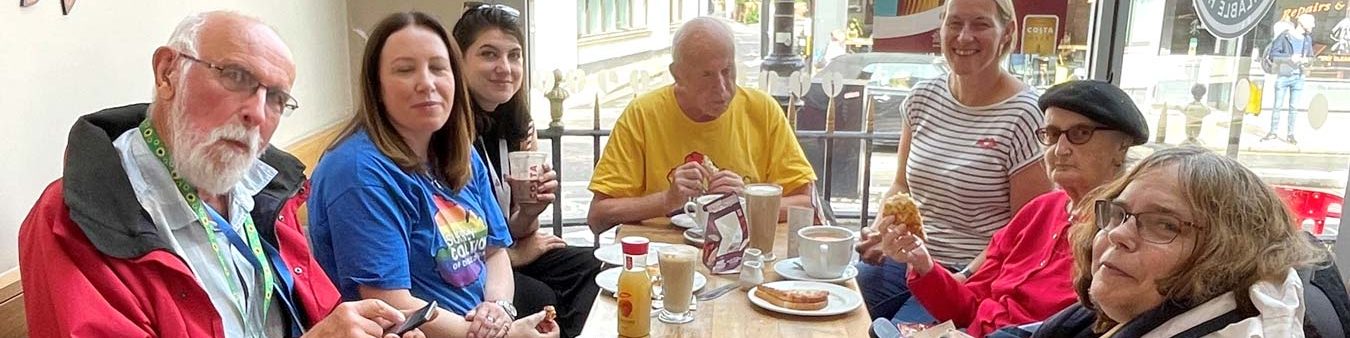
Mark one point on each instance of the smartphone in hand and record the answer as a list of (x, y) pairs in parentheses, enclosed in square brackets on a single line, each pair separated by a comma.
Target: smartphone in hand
[(422, 316)]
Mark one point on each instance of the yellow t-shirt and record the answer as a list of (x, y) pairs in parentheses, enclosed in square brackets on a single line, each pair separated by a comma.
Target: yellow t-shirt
[(653, 136)]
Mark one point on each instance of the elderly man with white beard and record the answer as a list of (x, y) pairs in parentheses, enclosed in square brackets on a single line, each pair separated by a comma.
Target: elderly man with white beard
[(176, 219)]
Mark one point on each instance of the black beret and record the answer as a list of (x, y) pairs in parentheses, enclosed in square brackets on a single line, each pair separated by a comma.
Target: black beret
[(1101, 102)]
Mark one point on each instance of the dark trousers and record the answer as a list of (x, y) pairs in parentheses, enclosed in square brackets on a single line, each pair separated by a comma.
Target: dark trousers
[(564, 278)]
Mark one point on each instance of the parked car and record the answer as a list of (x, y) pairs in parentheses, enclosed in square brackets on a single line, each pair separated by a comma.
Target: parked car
[(889, 78)]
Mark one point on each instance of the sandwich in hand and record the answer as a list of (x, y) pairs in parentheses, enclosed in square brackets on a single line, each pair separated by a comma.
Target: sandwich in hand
[(906, 213), (808, 300), (707, 164)]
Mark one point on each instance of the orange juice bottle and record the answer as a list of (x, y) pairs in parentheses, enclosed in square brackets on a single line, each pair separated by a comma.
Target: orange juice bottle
[(635, 290)]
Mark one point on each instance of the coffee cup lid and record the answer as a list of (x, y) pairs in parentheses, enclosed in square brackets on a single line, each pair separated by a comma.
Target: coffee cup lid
[(635, 245)]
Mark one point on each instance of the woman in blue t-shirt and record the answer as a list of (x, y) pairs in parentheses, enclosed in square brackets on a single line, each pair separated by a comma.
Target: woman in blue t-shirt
[(402, 209)]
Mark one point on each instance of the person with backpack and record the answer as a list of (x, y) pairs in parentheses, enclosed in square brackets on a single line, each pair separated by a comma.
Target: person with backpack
[(1290, 52)]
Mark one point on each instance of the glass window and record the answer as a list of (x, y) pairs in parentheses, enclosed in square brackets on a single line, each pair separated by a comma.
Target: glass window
[(1191, 86), (901, 75), (610, 16)]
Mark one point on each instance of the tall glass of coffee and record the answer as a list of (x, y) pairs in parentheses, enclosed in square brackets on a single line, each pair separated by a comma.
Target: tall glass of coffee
[(677, 277), (762, 201)]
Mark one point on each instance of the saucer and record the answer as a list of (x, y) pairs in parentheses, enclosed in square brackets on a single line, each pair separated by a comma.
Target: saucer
[(789, 268)]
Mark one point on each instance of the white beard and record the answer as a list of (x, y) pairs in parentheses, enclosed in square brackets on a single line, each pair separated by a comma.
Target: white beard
[(211, 167)]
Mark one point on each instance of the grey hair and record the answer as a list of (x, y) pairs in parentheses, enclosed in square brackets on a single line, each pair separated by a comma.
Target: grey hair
[(184, 38), (704, 24)]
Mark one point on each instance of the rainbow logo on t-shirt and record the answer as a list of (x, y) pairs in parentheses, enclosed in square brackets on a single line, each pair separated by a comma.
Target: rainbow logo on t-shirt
[(460, 261)]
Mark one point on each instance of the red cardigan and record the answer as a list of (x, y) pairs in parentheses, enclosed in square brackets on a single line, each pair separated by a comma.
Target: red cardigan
[(1025, 277)]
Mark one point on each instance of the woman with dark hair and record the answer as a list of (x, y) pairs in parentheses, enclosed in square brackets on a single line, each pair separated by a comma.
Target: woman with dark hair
[(547, 271), (402, 209)]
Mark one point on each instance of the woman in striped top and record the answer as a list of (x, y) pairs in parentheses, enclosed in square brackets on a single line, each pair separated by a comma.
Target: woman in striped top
[(968, 154)]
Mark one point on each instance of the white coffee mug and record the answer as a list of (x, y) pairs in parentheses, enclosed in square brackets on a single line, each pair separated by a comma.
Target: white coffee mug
[(826, 250), (696, 211)]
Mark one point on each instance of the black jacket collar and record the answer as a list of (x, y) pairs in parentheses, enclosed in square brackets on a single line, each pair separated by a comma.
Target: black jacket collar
[(103, 204)]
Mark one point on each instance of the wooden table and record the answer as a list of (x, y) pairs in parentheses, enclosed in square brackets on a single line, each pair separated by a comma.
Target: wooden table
[(732, 315)]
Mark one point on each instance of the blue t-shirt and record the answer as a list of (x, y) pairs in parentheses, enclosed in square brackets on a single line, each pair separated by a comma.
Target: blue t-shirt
[(374, 224)]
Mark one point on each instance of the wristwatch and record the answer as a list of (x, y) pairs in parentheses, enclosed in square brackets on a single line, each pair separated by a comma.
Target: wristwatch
[(506, 306)]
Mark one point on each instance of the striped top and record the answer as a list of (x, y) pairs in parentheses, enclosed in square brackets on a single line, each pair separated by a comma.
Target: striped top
[(961, 161)]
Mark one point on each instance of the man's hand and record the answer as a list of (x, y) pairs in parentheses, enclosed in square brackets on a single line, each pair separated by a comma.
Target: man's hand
[(686, 182), (868, 250), (361, 319), (534, 326), (488, 320), (726, 181), (904, 247), (543, 196), (529, 248)]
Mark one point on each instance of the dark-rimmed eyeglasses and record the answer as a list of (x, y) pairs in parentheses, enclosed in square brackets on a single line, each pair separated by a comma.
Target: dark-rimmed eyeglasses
[(236, 79), (478, 6), (1153, 227), (1077, 135)]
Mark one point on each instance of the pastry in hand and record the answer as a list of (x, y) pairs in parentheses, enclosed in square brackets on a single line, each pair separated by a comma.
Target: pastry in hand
[(550, 313), (807, 299), (906, 213)]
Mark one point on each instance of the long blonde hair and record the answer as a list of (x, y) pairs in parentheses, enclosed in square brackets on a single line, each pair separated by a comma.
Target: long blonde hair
[(1246, 234)]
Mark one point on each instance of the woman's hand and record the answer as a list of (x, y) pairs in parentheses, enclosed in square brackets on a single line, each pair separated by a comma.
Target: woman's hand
[(545, 192), (488, 320), (868, 250), (904, 247), (534, 326), (529, 248)]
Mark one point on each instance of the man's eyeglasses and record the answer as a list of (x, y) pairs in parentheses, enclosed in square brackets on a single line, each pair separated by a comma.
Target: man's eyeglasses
[(236, 79), (1077, 135), (1153, 227), (479, 6)]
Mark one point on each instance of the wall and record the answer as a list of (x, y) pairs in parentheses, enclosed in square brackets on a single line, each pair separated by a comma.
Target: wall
[(54, 68), (364, 14)]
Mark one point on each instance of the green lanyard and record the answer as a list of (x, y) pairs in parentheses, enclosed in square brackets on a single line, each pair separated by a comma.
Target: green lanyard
[(190, 195)]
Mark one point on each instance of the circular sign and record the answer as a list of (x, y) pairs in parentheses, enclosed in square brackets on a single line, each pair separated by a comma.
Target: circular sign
[(1232, 18), (1241, 93), (1317, 111)]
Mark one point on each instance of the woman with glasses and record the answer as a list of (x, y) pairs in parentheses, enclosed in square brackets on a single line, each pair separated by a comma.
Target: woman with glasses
[(1089, 126), (547, 271), (402, 208), (1189, 243), (967, 153)]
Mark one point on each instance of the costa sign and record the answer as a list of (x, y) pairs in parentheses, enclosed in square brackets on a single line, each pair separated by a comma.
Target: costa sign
[(1230, 19)]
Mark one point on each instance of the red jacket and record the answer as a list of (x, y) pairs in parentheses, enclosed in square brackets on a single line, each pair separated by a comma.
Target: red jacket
[(93, 264), (1025, 277)]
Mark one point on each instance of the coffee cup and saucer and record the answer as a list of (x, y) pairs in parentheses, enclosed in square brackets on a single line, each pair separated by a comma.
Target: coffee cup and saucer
[(826, 256)]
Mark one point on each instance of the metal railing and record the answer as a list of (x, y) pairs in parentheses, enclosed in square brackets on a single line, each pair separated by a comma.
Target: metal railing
[(828, 137)]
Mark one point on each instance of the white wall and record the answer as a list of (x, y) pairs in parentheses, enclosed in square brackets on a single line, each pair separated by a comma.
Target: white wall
[(54, 68)]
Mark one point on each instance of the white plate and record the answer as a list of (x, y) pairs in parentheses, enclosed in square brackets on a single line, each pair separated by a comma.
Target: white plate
[(787, 269), (613, 254), (683, 221), (842, 299), (608, 280), (693, 236)]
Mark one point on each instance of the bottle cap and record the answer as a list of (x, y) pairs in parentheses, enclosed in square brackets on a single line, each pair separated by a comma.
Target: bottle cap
[(635, 245)]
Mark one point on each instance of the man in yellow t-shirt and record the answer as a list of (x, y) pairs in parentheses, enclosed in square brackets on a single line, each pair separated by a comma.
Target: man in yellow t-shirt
[(644, 172)]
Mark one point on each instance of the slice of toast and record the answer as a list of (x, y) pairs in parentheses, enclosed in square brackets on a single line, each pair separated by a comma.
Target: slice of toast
[(794, 299)]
